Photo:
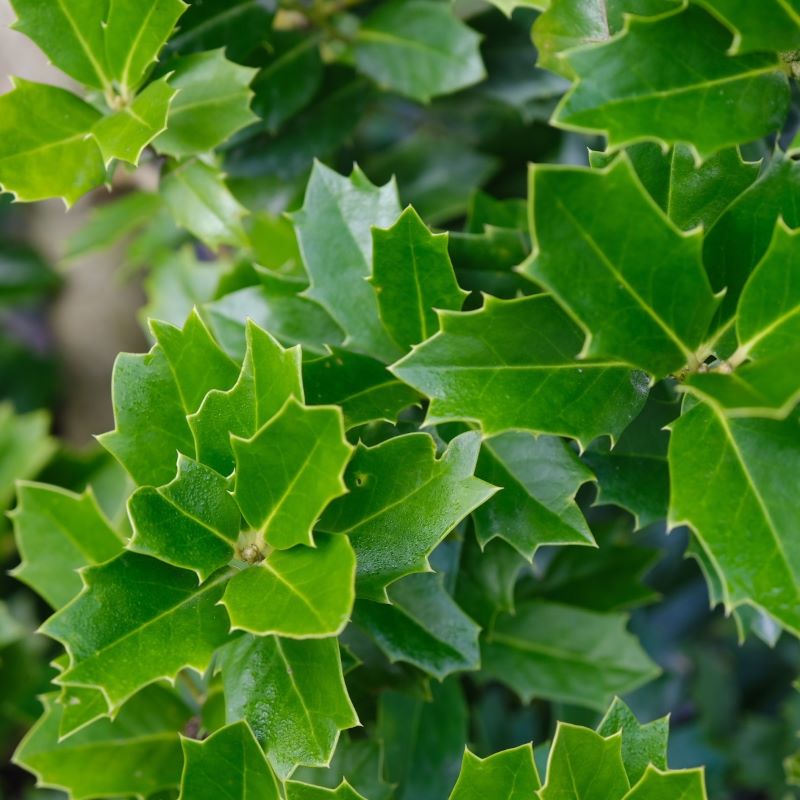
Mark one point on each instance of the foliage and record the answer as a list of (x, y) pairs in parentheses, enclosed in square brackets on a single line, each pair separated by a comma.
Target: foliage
[(344, 397)]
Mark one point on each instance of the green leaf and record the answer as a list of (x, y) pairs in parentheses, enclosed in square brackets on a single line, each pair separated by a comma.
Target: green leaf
[(293, 695), (402, 502), (539, 477), (584, 766), (80, 706), (138, 753), (509, 775), (304, 791), (422, 626), (642, 745), (192, 522), (776, 26), (418, 48), (301, 593), (334, 227), (558, 652), (423, 740), (229, 765), (57, 533), (699, 95), (138, 620), (200, 202), (412, 276), (361, 386), (761, 568), (270, 376), (651, 313), (688, 784), (507, 6), (289, 471), (45, 146), (525, 348), (212, 104)]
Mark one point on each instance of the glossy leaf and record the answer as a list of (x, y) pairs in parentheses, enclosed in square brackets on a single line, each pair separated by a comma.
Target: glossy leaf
[(525, 349), (303, 791), (775, 27), (402, 502), (509, 775)]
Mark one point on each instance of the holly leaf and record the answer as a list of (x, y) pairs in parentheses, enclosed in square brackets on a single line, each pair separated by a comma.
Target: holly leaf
[(402, 501), (302, 593), (138, 620), (738, 98), (559, 652), (637, 311), (334, 226), (508, 775), (192, 522), (412, 276), (539, 477), (361, 386), (270, 375), (525, 349), (657, 785), (776, 27), (138, 753), (289, 471), (200, 202), (763, 568), (212, 103), (292, 694), (208, 773), (304, 791), (125, 134), (423, 626), (58, 532), (46, 149), (418, 48)]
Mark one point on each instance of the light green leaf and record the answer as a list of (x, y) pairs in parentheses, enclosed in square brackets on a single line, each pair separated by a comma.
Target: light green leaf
[(651, 312), (509, 775), (776, 26), (304, 791), (422, 626), (139, 753), (507, 6), (192, 522), (289, 471), (412, 276), (80, 705), (293, 695), (539, 477), (229, 765), (304, 592), (270, 376), (642, 745), (402, 502), (334, 229), (584, 766), (200, 202), (559, 652), (138, 620), (361, 386), (58, 532), (125, 134), (45, 146), (699, 96), (525, 350), (418, 48), (687, 784), (712, 458), (213, 103)]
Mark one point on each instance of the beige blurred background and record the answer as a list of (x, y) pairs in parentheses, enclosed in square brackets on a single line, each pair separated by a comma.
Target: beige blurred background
[(94, 317)]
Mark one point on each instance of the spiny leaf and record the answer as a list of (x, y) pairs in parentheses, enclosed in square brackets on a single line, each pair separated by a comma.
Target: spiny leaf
[(509, 775), (776, 26), (402, 502), (57, 532), (229, 765), (289, 471), (412, 275), (539, 477), (192, 522), (303, 791), (301, 593), (138, 620), (652, 312), (687, 784), (292, 694), (524, 350)]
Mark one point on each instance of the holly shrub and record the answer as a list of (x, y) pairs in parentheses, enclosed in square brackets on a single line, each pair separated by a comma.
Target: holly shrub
[(388, 480)]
